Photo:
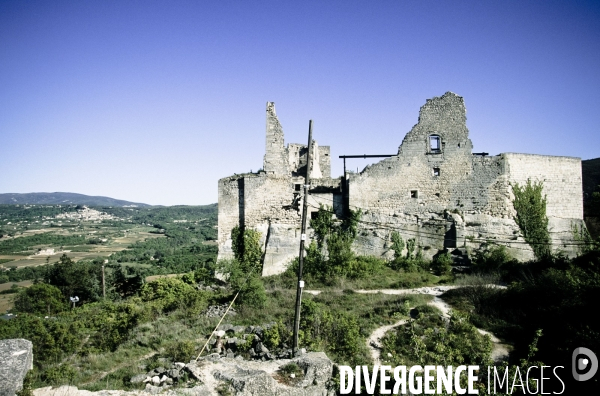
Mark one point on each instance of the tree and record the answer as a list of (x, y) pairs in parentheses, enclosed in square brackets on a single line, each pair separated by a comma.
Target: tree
[(531, 217), (336, 238), (83, 279), (42, 299), (245, 269), (246, 247), (397, 245)]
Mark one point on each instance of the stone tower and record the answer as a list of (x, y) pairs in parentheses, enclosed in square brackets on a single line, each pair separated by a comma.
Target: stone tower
[(275, 160)]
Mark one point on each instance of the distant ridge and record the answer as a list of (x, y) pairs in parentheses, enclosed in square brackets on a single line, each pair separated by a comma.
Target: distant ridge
[(63, 198)]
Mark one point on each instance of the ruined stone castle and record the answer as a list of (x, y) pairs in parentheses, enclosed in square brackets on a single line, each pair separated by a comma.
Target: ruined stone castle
[(435, 191)]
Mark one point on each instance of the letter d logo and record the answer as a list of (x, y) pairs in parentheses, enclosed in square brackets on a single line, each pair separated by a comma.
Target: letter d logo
[(581, 363)]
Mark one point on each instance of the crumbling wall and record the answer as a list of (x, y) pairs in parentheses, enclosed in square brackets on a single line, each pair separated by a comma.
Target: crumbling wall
[(276, 159), (444, 196), (230, 212), (435, 190), (269, 201)]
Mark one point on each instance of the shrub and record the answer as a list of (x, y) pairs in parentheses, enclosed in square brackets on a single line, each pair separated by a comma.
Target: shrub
[(428, 340), (442, 263), (252, 293), (531, 216), (60, 375), (181, 351), (42, 299), (491, 257), (168, 292), (397, 245)]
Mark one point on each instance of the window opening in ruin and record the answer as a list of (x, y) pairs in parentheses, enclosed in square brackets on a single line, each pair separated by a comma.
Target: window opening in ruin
[(313, 215), (414, 194), (297, 187), (436, 171), (434, 143)]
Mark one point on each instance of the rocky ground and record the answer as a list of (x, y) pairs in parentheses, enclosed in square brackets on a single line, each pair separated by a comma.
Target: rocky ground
[(214, 375)]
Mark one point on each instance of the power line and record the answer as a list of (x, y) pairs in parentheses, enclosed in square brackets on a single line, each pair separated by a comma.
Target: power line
[(417, 233)]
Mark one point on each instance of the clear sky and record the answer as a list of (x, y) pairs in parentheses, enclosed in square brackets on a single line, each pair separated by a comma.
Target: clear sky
[(154, 101)]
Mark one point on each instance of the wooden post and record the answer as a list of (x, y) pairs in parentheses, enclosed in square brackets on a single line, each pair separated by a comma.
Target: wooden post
[(302, 239)]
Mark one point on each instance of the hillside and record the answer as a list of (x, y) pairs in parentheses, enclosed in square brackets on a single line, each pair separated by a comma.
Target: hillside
[(62, 198)]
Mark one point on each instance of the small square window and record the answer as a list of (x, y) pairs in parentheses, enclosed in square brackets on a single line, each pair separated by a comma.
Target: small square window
[(436, 171), (313, 215), (414, 194), (297, 187), (434, 143)]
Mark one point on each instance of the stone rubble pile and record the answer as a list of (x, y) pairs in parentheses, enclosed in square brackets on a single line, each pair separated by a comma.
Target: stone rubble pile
[(210, 288), (162, 377), (246, 342), (216, 311), (229, 341)]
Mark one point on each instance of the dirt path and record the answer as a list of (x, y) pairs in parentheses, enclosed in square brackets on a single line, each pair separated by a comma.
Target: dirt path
[(374, 340), (500, 351)]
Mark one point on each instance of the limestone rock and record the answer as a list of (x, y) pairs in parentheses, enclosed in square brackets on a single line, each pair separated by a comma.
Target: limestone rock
[(16, 359), (136, 379)]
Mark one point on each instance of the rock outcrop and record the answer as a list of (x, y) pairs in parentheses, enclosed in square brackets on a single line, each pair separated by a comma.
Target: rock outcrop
[(215, 375), (16, 359)]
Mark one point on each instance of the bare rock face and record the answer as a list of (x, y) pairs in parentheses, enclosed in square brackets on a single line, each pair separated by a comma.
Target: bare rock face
[(16, 359), (249, 378)]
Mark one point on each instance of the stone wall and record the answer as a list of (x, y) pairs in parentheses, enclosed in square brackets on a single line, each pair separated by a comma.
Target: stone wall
[(435, 190), (442, 195), (270, 200)]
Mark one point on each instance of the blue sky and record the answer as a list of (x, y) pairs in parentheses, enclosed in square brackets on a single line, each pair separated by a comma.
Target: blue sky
[(154, 101)]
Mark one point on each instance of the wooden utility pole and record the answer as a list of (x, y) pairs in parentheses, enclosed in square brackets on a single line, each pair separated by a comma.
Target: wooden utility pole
[(302, 240)]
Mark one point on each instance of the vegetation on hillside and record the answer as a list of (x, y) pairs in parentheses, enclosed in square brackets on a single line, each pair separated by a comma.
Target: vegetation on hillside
[(140, 325)]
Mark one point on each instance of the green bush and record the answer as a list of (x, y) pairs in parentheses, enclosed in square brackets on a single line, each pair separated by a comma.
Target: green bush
[(428, 340), (42, 299), (397, 245), (82, 279), (252, 293), (336, 332), (491, 258), (168, 292), (60, 375), (531, 217), (276, 335), (442, 263), (181, 351)]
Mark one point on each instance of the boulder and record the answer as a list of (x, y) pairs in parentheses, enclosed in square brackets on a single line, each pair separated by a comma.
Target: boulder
[(137, 379), (16, 359), (261, 348), (238, 329), (249, 378), (174, 373)]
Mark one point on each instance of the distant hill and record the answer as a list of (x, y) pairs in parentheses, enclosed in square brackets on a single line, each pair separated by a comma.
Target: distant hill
[(63, 198)]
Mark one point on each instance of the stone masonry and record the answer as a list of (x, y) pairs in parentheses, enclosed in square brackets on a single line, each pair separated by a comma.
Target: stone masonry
[(435, 190)]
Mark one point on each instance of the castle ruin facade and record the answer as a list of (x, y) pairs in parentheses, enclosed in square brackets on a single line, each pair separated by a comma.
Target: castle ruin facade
[(435, 190)]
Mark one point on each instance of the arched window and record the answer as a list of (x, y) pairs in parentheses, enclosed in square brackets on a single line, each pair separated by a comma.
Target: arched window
[(435, 144)]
